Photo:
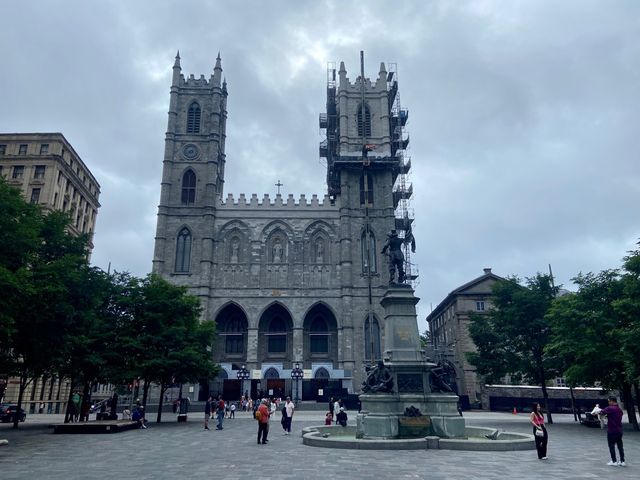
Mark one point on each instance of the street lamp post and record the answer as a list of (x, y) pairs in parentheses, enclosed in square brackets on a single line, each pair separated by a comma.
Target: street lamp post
[(243, 374), (296, 375)]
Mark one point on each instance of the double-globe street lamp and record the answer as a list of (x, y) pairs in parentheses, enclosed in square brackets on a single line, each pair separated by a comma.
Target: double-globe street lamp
[(297, 374), (243, 374)]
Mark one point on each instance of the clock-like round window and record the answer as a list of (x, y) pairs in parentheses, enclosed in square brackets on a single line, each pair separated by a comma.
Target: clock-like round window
[(190, 151)]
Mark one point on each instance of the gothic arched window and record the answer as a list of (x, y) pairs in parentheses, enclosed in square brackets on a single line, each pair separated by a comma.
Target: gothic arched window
[(277, 342), (364, 121), (319, 335), (188, 188), (234, 341), (366, 194), (183, 250), (368, 255), (368, 326), (193, 118)]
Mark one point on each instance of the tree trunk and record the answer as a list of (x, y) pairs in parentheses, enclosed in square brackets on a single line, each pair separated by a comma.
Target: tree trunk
[(545, 395), (86, 399), (23, 385), (145, 393), (573, 404), (628, 403), (68, 413), (163, 388)]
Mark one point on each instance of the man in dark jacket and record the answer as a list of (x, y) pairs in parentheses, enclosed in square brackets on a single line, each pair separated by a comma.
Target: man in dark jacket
[(341, 418)]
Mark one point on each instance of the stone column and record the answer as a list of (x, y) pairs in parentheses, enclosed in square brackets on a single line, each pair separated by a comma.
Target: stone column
[(401, 337), (298, 345), (252, 345)]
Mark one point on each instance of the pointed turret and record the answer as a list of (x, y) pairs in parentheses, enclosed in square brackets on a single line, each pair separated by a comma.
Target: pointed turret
[(383, 71), (343, 73), (177, 69), (217, 71), (224, 85)]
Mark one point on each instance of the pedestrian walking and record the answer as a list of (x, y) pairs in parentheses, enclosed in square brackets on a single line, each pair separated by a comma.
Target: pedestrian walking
[(287, 415), (336, 408), (614, 430), (207, 412), (220, 412), (539, 431), (262, 415), (331, 407), (232, 410)]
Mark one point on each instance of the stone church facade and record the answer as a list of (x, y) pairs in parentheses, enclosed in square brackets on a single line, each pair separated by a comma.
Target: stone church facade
[(287, 280)]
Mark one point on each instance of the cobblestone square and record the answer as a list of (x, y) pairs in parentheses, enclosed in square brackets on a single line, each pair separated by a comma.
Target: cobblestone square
[(172, 450)]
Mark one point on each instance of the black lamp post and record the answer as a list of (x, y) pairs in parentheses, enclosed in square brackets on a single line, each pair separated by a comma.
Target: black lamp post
[(296, 375), (243, 374)]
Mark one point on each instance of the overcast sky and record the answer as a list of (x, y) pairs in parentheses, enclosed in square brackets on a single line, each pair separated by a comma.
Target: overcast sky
[(524, 115)]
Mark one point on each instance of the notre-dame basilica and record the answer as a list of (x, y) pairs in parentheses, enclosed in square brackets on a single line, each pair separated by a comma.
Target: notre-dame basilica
[(288, 281)]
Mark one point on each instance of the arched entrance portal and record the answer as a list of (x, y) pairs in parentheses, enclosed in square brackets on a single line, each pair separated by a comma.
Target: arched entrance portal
[(275, 384)]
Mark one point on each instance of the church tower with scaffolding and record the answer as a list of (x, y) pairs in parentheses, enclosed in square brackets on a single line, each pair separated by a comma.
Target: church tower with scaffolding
[(290, 282)]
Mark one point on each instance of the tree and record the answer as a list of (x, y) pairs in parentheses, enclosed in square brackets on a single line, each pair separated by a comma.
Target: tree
[(628, 307), (511, 337), (20, 225), (172, 342), (45, 305), (588, 333)]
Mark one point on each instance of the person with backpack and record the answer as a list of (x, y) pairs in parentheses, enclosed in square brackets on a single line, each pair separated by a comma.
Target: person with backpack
[(262, 416), (341, 417)]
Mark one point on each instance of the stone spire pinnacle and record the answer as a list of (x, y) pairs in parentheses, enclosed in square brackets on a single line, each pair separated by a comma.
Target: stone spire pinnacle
[(177, 62), (217, 71)]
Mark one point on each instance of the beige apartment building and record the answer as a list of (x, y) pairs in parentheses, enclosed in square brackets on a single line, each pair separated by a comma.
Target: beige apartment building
[(49, 172), (449, 327)]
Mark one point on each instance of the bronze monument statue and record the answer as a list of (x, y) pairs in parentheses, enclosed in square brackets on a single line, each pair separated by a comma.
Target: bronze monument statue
[(396, 257), (379, 379)]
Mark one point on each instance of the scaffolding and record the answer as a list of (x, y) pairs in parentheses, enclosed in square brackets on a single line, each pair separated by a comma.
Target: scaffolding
[(403, 188)]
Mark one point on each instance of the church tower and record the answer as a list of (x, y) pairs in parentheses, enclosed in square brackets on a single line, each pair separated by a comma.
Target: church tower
[(367, 169), (192, 176)]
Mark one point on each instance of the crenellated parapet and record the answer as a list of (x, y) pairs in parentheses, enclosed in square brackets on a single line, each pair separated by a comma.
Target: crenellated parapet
[(242, 201)]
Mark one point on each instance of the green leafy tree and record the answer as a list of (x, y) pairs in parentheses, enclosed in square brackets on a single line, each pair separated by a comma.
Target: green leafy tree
[(589, 333), (512, 336), (20, 225), (173, 345), (45, 305), (628, 307)]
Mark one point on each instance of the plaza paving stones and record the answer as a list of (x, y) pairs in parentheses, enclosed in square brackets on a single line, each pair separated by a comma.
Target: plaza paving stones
[(171, 450)]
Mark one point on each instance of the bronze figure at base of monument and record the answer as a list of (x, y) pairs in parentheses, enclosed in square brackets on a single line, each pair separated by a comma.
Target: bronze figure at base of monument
[(401, 397)]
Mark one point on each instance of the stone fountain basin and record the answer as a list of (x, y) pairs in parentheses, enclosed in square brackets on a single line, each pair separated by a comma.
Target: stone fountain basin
[(345, 437)]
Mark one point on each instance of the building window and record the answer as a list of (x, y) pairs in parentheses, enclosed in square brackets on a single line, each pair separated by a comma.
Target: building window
[(35, 195), (368, 255), (22, 149), (234, 341), (480, 306), (319, 336), (44, 149), (3, 149), (368, 326), (277, 336), (183, 251), (188, 188), (364, 121), (18, 172), (193, 118), (39, 171), (366, 194)]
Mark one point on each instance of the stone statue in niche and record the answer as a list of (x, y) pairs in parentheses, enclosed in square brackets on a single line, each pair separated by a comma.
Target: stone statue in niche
[(319, 251), (235, 247), (277, 251)]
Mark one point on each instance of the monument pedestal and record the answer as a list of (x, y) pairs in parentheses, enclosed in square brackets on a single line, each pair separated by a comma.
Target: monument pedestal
[(382, 415)]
